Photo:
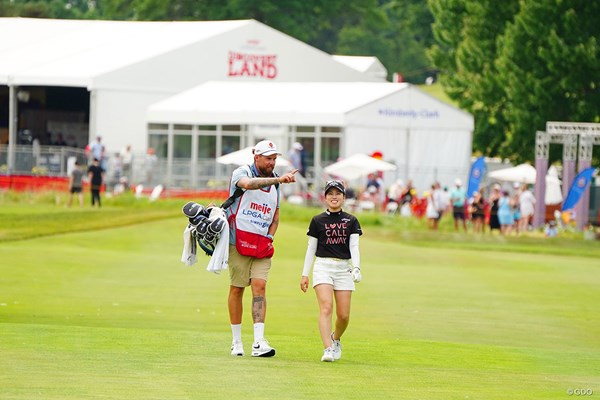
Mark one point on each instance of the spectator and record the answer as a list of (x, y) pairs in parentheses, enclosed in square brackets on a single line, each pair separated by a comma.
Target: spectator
[(505, 213), (96, 177), (150, 165), (494, 204), (76, 184), (97, 151), (127, 157), (295, 156), (527, 207), (116, 166), (477, 211), (431, 212), (458, 196)]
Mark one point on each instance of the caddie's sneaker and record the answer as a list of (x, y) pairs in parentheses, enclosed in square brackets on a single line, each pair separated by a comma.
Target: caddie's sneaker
[(328, 355), (262, 349), (237, 349), (337, 348)]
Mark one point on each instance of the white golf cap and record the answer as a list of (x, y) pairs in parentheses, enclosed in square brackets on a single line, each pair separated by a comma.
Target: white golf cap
[(458, 182), (297, 146), (265, 148)]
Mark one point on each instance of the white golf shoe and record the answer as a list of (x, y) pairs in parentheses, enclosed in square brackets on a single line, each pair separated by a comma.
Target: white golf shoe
[(237, 349), (328, 355), (337, 348), (261, 348)]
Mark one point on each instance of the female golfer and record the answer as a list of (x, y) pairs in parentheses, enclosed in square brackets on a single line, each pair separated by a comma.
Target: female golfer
[(333, 238)]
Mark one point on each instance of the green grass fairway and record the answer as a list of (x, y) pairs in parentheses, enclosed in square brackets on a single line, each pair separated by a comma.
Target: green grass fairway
[(114, 314)]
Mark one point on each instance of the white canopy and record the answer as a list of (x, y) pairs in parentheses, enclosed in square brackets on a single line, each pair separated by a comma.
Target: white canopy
[(526, 173), (523, 173), (357, 166), (245, 156)]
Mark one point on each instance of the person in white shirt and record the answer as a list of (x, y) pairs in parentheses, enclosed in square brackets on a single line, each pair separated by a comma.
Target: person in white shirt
[(527, 207)]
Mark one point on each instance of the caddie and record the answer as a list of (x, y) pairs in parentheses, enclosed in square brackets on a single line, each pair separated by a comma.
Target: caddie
[(253, 220)]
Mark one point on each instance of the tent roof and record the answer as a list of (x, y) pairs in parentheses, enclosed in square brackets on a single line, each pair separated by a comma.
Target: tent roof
[(82, 53), (278, 103), (367, 64), (74, 52), (269, 103)]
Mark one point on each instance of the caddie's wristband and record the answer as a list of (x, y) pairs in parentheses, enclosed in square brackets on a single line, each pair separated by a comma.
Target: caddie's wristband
[(270, 237)]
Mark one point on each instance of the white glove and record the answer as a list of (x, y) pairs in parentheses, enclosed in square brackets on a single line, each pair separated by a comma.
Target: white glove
[(356, 276)]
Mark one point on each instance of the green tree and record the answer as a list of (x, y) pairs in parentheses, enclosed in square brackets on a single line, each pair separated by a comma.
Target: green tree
[(398, 33), (515, 65), (550, 59), (466, 34)]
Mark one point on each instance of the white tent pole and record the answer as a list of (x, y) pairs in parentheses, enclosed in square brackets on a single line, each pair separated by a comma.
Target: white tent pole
[(317, 157), (407, 157), (170, 143), (93, 117), (12, 127), (194, 160)]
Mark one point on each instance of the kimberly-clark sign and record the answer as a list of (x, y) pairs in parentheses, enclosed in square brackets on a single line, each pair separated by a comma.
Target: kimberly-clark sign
[(409, 113)]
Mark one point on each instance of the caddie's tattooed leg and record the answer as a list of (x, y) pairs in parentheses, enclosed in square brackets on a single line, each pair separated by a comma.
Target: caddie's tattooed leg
[(258, 309)]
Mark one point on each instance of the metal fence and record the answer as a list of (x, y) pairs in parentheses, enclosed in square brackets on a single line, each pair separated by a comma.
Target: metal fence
[(149, 171)]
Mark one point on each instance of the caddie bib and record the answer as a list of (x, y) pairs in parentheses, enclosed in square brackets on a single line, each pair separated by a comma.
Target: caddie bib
[(251, 221)]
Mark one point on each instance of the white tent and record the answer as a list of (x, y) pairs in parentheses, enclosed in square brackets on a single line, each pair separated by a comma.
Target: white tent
[(246, 156), (425, 138), (368, 65), (526, 173), (523, 173), (128, 65), (357, 166)]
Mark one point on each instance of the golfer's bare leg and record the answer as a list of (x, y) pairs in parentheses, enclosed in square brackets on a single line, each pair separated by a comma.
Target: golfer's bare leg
[(342, 310), (235, 304), (325, 299)]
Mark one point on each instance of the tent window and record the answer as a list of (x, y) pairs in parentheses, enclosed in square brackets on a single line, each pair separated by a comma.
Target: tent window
[(158, 127), (160, 144), (207, 147), (207, 127), (330, 150), (230, 144), (305, 129), (184, 128), (182, 146), (331, 129), (232, 128)]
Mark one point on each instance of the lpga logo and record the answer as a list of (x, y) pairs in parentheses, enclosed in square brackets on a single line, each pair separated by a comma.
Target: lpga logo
[(476, 173), (581, 182)]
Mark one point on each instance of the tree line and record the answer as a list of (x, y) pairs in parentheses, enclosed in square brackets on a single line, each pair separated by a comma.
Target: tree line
[(512, 64)]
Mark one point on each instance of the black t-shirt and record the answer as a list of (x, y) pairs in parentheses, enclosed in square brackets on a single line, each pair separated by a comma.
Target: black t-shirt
[(333, 232), (96, 171)]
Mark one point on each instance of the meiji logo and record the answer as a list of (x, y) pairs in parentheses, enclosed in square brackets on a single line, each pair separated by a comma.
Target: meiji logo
[(263, 208), (243, 64)]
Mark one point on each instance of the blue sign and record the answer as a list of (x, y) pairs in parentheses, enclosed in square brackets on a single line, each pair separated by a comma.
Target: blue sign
[(580, 183), (477, 170)]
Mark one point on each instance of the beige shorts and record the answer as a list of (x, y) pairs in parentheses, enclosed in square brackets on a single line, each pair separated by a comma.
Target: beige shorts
[(242, 269), (334, 272)]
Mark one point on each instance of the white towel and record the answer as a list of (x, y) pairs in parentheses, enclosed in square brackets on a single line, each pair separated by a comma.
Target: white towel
[(220, 258), (188, 255)]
